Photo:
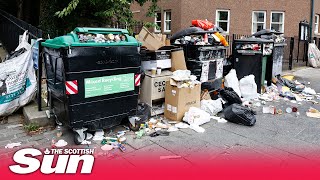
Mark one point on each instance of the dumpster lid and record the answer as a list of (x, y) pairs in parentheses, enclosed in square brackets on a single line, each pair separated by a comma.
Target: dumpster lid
[(72, 39), (189, 31), (254, 40), (276, 44), (266, 32)]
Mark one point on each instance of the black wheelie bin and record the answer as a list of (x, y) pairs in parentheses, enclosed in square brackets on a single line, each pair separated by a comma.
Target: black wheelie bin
[(92, 84)]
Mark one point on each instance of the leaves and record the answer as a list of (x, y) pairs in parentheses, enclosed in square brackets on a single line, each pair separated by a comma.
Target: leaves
[(67, 10), (107, 12)]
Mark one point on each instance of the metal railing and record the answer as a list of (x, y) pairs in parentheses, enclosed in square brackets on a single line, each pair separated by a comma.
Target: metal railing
[(11, 28)]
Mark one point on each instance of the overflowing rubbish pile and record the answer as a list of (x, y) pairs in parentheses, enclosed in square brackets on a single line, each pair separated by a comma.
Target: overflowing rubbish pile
[(182, 84), (268, 34), (100, 38), (283, 88)]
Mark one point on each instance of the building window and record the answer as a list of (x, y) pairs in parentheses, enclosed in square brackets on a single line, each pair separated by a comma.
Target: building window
[(167, 21), (316, 22), (277, 21), (223, 19), (258, 21), (157, 21)]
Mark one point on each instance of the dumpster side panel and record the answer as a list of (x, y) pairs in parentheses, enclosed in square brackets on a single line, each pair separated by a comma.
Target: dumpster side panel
[(104, 110), (102, 58), (204, 53), (80, 63), (103, 114), (278, 53), (249, 64)]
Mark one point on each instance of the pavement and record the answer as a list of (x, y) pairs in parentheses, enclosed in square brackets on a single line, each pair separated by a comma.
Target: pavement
[(279, 139)]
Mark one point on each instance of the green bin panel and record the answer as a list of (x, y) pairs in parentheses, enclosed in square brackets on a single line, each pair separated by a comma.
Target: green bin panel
[(264, 69)]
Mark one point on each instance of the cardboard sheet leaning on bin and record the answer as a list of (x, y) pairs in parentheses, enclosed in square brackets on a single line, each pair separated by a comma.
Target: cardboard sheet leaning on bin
[(150, 40)]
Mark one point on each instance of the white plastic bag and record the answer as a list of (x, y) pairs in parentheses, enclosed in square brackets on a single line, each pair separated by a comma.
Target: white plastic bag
[(213, 107), (314, 55), (248, 88), (231, 80), (17, 80), (196, 116)]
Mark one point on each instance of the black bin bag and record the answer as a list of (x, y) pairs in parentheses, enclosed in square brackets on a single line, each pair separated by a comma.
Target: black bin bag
[(229, 95), (240, 115)]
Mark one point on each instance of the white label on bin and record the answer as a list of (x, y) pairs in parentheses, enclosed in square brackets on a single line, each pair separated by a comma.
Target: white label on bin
[(174, 92), (169, 108), (100, 86), (219, 70), (205, 71), (174, 109)]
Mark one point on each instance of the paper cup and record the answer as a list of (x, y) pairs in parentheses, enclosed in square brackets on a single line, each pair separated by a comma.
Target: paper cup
[(153, 71), (159, 71)]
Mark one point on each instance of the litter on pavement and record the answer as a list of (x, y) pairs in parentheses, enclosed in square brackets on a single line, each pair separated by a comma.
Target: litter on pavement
[(12, 145), (192, 89), (61, 143)]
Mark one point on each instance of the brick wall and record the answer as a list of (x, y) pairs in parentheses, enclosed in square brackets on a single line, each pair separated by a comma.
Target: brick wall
[(183, 11)]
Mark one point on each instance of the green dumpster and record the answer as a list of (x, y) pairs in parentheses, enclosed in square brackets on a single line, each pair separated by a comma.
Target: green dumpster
[(92, 80)]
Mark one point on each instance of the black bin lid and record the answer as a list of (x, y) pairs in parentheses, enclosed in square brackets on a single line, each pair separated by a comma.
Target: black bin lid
[(254, 40)]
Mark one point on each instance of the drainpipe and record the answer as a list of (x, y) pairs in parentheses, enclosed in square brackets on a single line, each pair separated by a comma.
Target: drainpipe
[(311, 20)]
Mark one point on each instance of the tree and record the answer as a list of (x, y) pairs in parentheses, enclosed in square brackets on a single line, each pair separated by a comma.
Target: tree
[(103, 12)]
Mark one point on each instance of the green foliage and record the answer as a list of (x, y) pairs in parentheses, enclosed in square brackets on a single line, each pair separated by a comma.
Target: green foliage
[(31, 127), (66, 11), (150, 25), (69, 14)]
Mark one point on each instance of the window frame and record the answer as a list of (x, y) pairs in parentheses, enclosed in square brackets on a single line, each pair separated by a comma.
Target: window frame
[(283, 19), (165, 21), (264, 22), (156, 22), (227, 21), (316, 23)]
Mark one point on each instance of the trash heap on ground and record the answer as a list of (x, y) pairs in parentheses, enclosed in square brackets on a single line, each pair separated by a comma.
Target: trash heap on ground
[(184, 82)]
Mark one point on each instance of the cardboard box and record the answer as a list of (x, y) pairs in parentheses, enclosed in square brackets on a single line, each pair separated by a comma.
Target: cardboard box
[(178, 60), (149, 40), (178, 101), (153, 87)]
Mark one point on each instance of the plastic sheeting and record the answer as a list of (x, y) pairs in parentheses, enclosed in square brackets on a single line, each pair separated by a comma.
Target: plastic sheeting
[(248, 88), (232, 81)]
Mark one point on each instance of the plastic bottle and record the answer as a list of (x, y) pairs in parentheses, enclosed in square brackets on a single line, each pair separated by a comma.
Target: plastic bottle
[(141, 132), (59, 131), (53, 142), (264, 87)]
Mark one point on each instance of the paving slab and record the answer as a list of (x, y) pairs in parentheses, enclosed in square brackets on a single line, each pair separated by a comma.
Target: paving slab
[(310, 134), (138, 143), (241, 155), (32, 115), (152, 155), (180, 144)]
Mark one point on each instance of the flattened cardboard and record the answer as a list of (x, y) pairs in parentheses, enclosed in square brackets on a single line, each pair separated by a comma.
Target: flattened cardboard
[(178, 60), (149, 40)]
